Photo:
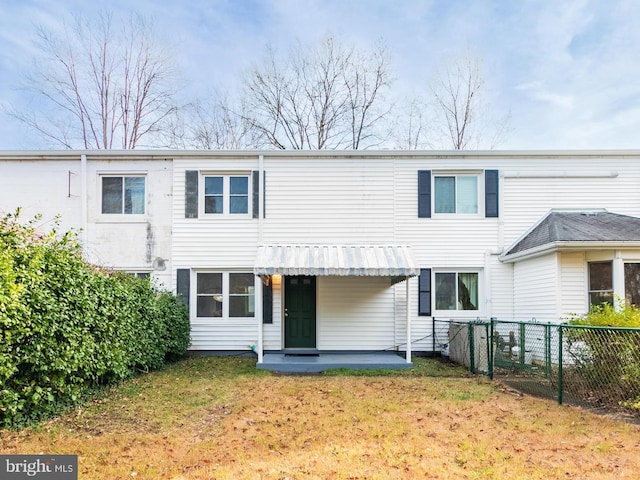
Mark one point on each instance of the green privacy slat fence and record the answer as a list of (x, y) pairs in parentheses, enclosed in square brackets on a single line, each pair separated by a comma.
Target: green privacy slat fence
[(590, 366)]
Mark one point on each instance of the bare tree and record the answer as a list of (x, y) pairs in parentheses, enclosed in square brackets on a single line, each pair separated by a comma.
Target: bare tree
[(461, 118), (323, 97), (411, 125), (104, 86), (214, 124)]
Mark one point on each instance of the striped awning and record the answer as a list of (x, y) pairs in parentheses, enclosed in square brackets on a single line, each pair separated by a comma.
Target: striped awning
[(336, 260)]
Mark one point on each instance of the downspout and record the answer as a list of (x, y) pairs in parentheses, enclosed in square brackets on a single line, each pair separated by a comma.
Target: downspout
[(259, 308), (84, 235), (408, 306), (259, 314)]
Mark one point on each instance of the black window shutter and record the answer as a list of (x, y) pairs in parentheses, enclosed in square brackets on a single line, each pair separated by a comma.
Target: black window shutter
[(491, 189), (424, 292), (183, 287), (267, 303), (191, 194), (256, 193), (424, 193)]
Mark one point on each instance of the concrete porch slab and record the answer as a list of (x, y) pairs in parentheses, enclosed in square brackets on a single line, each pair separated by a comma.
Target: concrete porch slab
[(286, 363)]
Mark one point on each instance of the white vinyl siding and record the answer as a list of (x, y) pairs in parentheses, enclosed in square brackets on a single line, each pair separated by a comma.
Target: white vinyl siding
[(329, 201), (499, 289), (355, 313), (224, 242), (573, 278), (272, 332), (217, 333), (526, 198), (536, 289), (364, 200)]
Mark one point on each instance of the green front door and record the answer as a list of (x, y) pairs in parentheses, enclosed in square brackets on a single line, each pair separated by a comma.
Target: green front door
[(299, 312)]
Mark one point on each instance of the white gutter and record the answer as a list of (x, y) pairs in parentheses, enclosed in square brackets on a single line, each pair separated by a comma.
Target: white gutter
[(551, 155), (259, 309)]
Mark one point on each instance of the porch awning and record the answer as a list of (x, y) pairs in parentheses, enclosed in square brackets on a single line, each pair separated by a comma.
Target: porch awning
[(336, 260)]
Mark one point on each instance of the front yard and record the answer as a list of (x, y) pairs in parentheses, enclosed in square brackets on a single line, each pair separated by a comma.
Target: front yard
[(220, 418)]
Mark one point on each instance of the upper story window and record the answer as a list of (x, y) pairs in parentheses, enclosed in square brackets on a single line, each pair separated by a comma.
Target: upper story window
[(456, 194), (460, 193), (226, 194), (600, 283), (123, 195), (456, 290)]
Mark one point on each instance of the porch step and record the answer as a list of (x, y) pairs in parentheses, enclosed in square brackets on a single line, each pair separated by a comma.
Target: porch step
[(286, 363)]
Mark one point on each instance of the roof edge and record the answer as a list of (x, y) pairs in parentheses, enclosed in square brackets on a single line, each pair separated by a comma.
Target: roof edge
[(436, 154), (567, 246)]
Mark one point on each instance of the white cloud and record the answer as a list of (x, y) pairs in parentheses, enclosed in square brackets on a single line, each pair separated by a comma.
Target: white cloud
[(567, 71)]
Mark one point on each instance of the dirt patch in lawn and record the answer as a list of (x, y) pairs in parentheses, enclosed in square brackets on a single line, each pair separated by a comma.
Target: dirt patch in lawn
[(218, 418)]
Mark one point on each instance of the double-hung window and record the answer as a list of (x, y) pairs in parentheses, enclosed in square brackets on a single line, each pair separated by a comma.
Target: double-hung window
[(225, 295), (456, 290), (456, 194), (226, 194), (600, 283), (124, 195)]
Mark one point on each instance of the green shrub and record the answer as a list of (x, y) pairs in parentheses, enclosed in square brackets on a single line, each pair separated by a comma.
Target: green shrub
[(607, 357), (67, 328), (606, 315)]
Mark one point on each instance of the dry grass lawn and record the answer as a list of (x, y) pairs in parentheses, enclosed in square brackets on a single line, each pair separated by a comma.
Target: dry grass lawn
[(220, 418)]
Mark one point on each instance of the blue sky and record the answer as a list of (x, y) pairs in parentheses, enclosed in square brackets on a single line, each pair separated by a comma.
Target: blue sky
[(567, 71)]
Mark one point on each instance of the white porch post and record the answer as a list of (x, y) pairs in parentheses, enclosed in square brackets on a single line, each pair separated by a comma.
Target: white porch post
[(258, 314), (408, 305), (618, 280)]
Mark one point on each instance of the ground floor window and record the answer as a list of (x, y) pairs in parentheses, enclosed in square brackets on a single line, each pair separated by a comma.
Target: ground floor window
[(600, 283), (456, 290), (632, 283), (225, 295)]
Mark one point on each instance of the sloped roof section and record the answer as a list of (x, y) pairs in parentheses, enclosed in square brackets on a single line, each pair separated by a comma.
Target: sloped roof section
[(336, 260), (566, 227)]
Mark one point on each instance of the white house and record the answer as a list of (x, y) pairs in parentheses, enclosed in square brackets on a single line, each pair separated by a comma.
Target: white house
[(356, 251)]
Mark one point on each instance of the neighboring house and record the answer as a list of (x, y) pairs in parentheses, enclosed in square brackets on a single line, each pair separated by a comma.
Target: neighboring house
[(348, 251)]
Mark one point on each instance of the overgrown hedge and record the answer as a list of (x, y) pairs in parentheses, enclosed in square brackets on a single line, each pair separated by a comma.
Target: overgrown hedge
[(607, 358), (67, 327)]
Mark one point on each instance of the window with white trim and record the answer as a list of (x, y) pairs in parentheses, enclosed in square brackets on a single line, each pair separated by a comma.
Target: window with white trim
[(455, 194), (225, 295), (226, 194), (457, 290), (141, 275), (123, 195)]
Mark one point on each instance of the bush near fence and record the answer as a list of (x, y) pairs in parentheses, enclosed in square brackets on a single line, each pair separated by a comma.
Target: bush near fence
[(595, 366), (606, 352), (67, 327)]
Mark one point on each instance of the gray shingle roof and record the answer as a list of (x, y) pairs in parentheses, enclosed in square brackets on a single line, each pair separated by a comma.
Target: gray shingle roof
[(600, 226)]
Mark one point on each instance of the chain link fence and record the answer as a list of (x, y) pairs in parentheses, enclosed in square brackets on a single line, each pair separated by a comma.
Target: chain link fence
[(596, 367)]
